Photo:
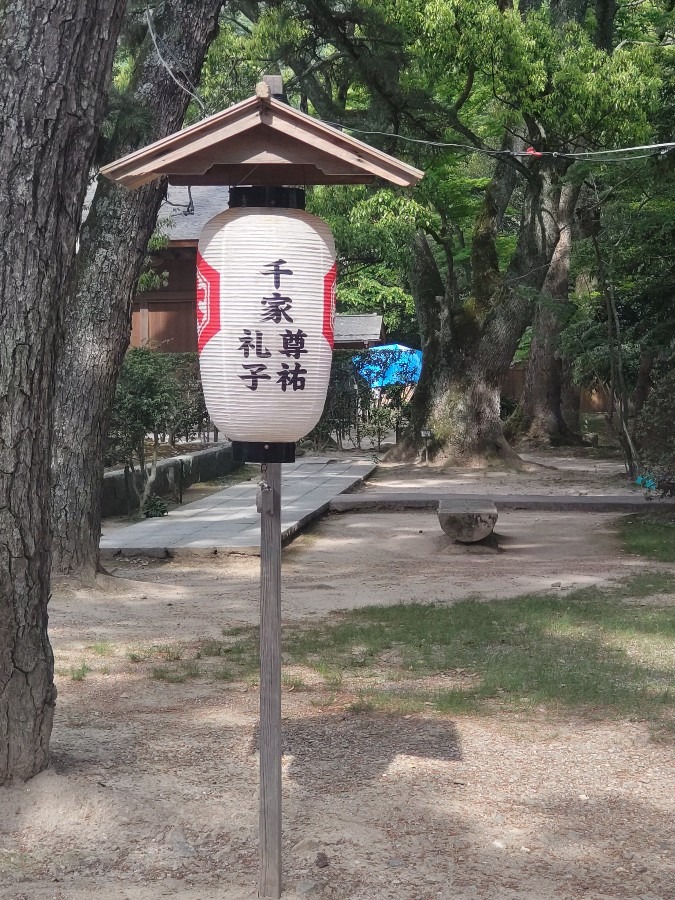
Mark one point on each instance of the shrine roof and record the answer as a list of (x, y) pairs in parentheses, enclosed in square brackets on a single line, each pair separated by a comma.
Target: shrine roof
[(260, 141)]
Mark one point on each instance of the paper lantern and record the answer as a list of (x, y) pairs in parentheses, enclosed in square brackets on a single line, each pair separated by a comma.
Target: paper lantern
[(265, 318)]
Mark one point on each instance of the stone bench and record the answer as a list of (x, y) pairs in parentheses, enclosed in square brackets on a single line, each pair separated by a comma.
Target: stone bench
[(467, 521)]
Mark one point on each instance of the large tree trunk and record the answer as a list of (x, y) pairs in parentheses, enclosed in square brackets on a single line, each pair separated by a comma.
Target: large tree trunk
[(468, 348), (570, 404), (112, 249), (539, 417), (55, 60)]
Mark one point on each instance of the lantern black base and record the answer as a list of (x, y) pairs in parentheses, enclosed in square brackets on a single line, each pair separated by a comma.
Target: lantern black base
[(281, 197), (259, 452)]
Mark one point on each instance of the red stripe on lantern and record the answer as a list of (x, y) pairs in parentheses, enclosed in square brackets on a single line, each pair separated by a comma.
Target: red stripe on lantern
[(208, 302), (329, 282)]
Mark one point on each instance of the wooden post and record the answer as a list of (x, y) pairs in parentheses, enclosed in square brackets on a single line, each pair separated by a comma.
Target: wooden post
[(270, 682)]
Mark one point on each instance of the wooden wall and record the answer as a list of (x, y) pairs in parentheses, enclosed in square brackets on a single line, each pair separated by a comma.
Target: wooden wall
[(591, 401), (165, 319)]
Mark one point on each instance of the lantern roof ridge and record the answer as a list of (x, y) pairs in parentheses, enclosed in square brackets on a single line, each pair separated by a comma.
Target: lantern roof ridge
[(260, 141)]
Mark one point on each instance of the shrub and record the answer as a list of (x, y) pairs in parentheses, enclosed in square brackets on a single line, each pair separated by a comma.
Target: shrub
[(656, 429)]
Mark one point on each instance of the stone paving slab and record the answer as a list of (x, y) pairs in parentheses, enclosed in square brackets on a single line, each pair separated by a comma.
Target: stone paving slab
[(394, 501), (227, 521)]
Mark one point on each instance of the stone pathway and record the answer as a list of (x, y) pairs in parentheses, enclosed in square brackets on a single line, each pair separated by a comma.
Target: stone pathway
[(227, 521)]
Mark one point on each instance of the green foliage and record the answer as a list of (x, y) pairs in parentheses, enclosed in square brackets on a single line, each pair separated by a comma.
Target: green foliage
[(156, 393), (155, 507), (372, 232), (147, 397), (189, 415), (151, 278), (418, 74)]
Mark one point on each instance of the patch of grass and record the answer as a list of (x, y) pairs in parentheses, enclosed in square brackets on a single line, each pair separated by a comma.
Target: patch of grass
[(167, 652), (213, 648), (80, 672), (102, 648), (172, 676), (587, 651), (191, 669), (178, 674), (332, 677), (361, 705), (650, 534), (294, 683), (224, 674), (240, 647)]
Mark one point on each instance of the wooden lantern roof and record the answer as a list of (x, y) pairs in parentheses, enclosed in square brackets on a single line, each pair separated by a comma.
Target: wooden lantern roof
[(260, 141)]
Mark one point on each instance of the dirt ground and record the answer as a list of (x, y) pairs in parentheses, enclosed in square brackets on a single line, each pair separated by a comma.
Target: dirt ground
[(153, 788), (546, 472)]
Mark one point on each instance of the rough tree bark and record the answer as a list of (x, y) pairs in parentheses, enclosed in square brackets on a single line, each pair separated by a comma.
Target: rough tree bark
[(56, 60), (113, 246), (539, 417)]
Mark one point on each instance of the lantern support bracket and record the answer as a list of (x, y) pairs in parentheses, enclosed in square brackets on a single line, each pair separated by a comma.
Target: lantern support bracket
[(263, 452)]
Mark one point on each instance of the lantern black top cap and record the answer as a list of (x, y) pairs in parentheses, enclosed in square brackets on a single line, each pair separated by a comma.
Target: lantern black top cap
[(260, 141)]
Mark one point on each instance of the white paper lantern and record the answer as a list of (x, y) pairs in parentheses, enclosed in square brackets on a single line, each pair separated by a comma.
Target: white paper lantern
[(265, 319)]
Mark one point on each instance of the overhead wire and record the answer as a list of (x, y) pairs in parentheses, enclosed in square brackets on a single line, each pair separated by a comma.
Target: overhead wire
[(194, 96), (581, 155)]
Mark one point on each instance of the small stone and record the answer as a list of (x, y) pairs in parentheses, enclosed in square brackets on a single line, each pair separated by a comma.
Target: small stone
[(583, 796), (308, 845), (395, 863), (500, 845), (321, 860), (177, 841), (556, 584), (307, 887)]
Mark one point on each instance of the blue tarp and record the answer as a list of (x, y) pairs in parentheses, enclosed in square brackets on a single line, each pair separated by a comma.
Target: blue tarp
[(390, 364)]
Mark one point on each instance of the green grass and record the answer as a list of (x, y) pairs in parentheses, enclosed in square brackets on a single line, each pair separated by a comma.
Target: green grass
[(650, 534), (294, 683), (102, 648), (176, 674), (213, 648), (167, 652), (172, 676), (224, 674), (80, 672), (587, 651)]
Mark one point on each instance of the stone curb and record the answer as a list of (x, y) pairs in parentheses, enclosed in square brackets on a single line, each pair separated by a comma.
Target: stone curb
[(375, 501)]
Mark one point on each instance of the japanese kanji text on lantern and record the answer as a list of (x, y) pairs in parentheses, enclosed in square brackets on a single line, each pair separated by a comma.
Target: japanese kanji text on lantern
[(265, 315)]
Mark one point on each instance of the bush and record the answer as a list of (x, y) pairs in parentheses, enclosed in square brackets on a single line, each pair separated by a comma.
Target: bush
[(656, 430), (147, 397), (154, 507)]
